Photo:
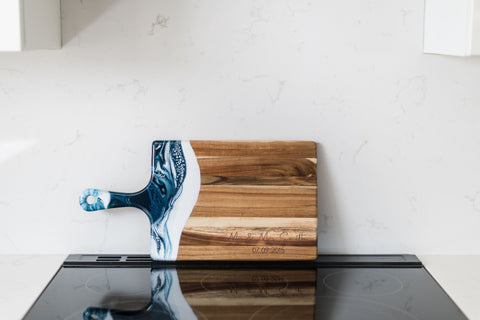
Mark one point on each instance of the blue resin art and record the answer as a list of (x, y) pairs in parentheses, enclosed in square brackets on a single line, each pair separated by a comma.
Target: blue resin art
[(168, 198)]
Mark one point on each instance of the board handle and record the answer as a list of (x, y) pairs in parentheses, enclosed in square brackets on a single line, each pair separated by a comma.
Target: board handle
[(95, 199)]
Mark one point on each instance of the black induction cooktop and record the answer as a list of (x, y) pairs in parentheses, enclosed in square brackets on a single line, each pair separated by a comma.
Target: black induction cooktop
[(334, 287)]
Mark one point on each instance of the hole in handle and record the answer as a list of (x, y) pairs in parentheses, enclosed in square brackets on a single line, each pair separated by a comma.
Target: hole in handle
[(90, 199)]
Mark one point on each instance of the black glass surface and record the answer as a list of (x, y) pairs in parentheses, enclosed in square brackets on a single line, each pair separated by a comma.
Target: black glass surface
[(331, 293)]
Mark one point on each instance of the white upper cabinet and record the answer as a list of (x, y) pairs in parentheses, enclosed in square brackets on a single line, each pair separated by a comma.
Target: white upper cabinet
[(452, 27), (30, 25)]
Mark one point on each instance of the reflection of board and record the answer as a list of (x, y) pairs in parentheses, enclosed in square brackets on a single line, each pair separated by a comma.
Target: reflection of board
[(257, 201), (217, 293), (249, 294)]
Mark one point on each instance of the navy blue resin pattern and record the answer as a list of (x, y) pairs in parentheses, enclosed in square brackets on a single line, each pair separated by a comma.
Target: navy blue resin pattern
[(158, 199)]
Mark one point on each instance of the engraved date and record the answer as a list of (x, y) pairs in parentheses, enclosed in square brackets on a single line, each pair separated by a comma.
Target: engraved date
[(268, 250)]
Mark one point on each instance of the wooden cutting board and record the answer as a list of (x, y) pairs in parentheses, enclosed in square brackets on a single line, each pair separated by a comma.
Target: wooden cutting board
[(257, 201), (252, 200)]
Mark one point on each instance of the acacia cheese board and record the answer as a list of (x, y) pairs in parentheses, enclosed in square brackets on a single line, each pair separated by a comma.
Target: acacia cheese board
[(226, 200)]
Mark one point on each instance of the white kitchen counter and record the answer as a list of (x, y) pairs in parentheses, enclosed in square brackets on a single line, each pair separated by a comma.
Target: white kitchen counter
[(22, 279), (460, 278)]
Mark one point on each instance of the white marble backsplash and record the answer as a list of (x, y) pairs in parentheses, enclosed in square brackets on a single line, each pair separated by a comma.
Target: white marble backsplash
[(399, 133)]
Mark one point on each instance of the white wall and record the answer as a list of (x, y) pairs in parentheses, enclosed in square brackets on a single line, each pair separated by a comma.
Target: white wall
[(399, 130)]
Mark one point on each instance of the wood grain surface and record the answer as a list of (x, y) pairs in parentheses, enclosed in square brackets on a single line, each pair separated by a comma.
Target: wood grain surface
[(282, 149), (257, 201)]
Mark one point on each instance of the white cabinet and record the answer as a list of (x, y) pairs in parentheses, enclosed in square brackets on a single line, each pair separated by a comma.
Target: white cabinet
[(452, 27), (29, 25)]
